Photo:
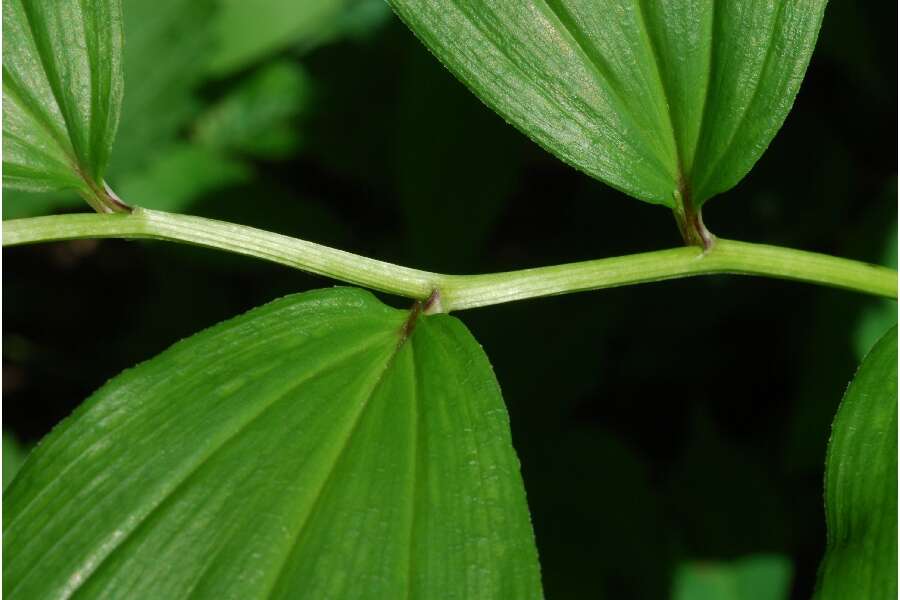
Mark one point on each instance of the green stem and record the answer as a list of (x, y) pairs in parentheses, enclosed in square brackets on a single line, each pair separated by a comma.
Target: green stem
[(457, 292)]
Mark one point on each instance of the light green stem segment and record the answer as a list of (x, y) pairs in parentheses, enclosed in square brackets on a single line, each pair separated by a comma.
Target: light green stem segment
[(457, 292)]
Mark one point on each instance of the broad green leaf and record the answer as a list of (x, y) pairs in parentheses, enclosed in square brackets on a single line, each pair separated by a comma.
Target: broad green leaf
[(258, 117), (653, 98), (861, 483), (763, 577), (62, 90), (249, 31), (321, 446)]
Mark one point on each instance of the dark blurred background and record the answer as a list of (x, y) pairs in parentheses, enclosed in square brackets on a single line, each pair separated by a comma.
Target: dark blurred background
[(661, 428)]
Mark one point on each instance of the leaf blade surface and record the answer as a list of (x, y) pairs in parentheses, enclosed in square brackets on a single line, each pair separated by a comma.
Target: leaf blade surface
[(652, 98), (861, 483), (62, 92), (306, 449)]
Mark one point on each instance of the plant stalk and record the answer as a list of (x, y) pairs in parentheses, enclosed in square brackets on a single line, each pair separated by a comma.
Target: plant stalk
[(458, 292)]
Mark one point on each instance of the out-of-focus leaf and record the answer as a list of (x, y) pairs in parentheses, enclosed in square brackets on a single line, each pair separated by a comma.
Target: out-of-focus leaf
[(861, 483), (247, 31), (764, 577), (323, 445), (14, 454), (180, 174), (62, 91), (650, 97), (167, 42), (360, 20), (258, 116), (18, 204)]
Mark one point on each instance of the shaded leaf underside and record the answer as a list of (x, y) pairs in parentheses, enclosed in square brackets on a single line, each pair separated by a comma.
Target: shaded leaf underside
[(62, 89), (652, 98), (302, 450)]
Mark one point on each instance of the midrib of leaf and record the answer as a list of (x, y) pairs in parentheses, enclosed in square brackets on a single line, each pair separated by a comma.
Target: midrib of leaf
[(418, 466), (100, 114), (605, 76), (663, 91), (404, 335), (742, 119), (704, 115), (164, 496)]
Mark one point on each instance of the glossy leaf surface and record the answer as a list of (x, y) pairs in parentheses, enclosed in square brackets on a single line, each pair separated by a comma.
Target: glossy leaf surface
[(650, 97), (310, 448), (861, 483), (62, 91)]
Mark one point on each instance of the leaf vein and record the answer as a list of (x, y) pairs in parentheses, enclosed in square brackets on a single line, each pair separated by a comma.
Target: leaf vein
[(329, 478), (196, 468), (416, 462)]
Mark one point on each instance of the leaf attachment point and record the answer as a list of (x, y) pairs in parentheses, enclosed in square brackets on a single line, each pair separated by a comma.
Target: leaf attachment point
[(62, 93), (690, 221)]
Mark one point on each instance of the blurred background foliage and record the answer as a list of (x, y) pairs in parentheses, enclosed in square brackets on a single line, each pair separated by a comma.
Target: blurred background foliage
[(672, 436)]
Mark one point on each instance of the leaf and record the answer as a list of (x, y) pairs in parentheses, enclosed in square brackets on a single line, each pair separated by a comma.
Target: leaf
[(861, 483), (763, 577), (167, 42), (652, 98), (181, 173), (258, 116), (18, 204), (361, 20), (309, 448), (62, 90), (249, 31)]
